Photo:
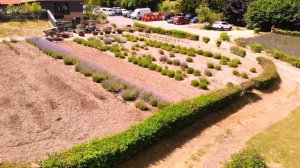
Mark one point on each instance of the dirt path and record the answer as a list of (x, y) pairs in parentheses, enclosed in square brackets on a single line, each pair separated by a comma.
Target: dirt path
[(47, 107), (211, 141), (165, 87)]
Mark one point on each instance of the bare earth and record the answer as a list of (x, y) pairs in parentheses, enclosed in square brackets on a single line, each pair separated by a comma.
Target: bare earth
[(165, 87), (211, 141), (47, 107)]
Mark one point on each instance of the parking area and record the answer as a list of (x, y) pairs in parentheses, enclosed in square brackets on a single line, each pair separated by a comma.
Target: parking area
[(194, 28)]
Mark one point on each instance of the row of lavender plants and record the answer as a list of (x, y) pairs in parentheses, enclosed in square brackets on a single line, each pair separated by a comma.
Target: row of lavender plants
[(109, 82)]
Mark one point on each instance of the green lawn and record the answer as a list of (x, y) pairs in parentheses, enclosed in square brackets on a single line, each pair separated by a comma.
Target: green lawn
[(23, 28), (280, 143)]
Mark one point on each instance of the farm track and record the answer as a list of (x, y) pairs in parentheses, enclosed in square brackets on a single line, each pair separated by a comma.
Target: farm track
[(47, 107), (170, 89), (211, 141)]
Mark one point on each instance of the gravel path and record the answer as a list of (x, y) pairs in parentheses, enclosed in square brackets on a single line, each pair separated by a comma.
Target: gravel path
[(47, 107), (167, 88)]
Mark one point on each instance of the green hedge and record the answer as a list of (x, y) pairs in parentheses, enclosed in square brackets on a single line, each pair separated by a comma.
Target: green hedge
[(174, 33), (293, 60), (287, 32), (110, 151)]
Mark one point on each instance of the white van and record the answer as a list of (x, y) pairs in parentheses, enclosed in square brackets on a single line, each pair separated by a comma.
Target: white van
[(108, 11), (139, 12)]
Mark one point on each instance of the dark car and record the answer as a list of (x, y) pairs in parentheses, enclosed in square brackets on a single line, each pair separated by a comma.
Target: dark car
[(194, 19), (181, 20), (190, 16)]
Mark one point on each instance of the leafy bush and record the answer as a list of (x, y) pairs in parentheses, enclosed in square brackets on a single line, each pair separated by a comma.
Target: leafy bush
[(205, 39), (178, 76), (240, 43), (218, 67), (171, 54), (171, 74), (256, 47), (153, 102), (217, 56), (112, 86), (99, 78), (244, 75), (87, 73), (287, 32), (158, 69), (218, 43), (184, 65), (164, 72), (238, 51), (208, 73), (236, 72), (210, 65), (163, 58), (169, 61), (253, 70), (195, 83), (199, 52), (256, 30), (203, 83), (293, 60), (229, 84), (152, 67), (161, 52), (183, 51), (224, 37), (191, 53), (207, 54), (197, 72), (142, 106), (68, 61), (236, 60), (233, 64), (176, 62), (190, 70), (189, 59), (130, 95), (247, 158)]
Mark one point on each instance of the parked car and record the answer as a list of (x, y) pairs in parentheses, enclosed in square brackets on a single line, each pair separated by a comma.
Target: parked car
[(155, 16), (190, 16), (124, 12), (139, 12), (220, 25), (127, 14), (169, 18), (194, 19), (108, 11), (117, 10), (181, 20)]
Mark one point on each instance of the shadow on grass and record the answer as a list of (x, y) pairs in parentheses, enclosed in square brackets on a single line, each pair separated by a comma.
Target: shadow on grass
[(165, 146)]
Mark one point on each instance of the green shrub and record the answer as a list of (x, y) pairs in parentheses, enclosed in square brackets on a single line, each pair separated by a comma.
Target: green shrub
[(210, 65), (253, 70), (256, 47), (240, 43), (238, 51), (217, 56), (111, 86), (218, 67), (208, 73), (189, 59), (190, 70), (244, 75), (158, 69), (176, 50), (142, 106), (191, 53), (199, 52), (152, 67), (169, 61), (178, 76), (68, 61), (130, 95), (247, 158), (205, 39), (207, 54), (87, 73), (197, 72), (218, 42), (164, 72), (229, 84), (99, 78), (171, 54), (236, 72), (233, 64), (77, 67), (183, 51), (171, 74), (256, 30), (224, 37), (184, 65), (236, 60), (153, 102), (195, 83)]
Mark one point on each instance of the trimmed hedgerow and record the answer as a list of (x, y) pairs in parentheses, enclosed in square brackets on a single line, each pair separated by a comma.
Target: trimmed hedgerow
[(130, 95), (238, 51), (256, 47), (142, 106), (240, 43), (207, 54)]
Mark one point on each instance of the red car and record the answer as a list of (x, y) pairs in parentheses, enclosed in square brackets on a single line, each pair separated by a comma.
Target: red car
[(181, 20), (153, 17)]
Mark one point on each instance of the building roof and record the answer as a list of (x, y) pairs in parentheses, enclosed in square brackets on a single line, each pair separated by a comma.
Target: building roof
[(13, 2)]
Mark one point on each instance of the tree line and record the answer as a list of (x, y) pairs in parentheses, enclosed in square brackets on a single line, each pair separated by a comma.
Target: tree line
[(261, 14)]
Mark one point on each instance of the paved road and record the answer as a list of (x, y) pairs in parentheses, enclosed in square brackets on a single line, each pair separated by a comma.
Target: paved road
[(214, 35)]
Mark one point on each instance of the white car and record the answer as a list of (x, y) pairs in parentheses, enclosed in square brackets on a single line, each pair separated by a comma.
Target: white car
[(220, 25), (124, 12), (107, 11)]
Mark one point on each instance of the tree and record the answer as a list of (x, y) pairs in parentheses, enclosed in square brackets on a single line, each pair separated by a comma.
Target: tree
[(188, 6), (206, 15), (264, 14), (235, 11), (170, 6)]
